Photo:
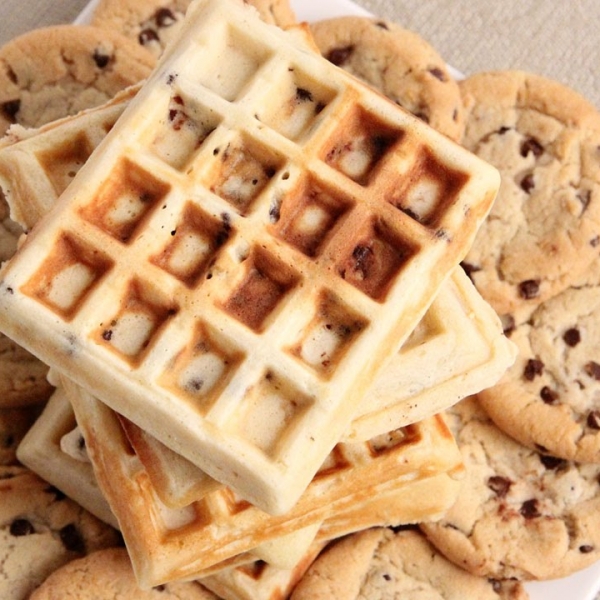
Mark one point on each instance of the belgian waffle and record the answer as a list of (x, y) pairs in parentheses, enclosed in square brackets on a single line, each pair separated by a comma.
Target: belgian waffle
[(459, 338), (262, 581), (42, 452), (234, 264), (66, 466), (199, 539)]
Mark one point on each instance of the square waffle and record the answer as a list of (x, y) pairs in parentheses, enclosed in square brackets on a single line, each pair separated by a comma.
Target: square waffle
[(371, 483), (261, 581), (52, 449), (249, 244), (459, 338), (41, 451)]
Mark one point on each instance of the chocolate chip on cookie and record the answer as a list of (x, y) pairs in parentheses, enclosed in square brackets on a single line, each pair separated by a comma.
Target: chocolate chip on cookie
[(521, 513), (52, 72), (544, 227), (398, 63)]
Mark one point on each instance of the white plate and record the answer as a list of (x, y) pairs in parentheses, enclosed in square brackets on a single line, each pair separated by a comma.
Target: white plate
[(584, 585)]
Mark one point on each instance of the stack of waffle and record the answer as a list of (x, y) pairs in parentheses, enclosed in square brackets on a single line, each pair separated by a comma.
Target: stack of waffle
[(247, 295)]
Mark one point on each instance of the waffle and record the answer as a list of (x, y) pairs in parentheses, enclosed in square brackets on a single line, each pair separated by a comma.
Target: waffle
[(261, 581), (242, 253), (459, 335), (38, 164), (457, 349), (192, 542), (41, 451)]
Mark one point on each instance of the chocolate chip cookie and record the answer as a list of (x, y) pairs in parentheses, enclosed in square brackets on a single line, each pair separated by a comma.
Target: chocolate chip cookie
[(107, 575), (40, 530), (22, 376), (521, 513), (154, 23), (544, 228), (380, 563), (397, 62), (55, 71), (550, 398)]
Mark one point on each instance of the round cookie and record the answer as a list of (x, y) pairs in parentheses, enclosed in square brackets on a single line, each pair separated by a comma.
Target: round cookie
[(544, 228), (520, 513), (398, 63), (375, 564), (41, 530), (56, 71), (107, 575), (550, 398), (154, 23)]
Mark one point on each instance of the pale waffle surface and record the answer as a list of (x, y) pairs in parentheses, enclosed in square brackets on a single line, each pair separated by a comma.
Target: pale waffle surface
[(258, 580), (374, 481), (459, 339), (70, 470), (41, 451), (238, 259)]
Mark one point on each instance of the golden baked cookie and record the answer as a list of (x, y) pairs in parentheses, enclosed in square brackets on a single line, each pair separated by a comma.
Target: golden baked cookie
[(397, 62), (55, 71)]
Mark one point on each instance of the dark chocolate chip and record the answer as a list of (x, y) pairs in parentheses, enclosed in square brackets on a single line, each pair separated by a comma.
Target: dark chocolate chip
[(529, 509), (10, 109), (58, 494), (101, 59), (362, 256), (275, 211), (21, 527), (438, 73), (529, 289), (107, 335), (470, 268), (303, 95), (382, 25), (548, 395), (147, 36), (164, 17), (552, 463), (499, 485), (593, 370), (224, 231), (338, 56), (528, 183), (504, 129), (533, 368), (586, 548), (572, 337), (593, 419), (533, 146), (71, 539)]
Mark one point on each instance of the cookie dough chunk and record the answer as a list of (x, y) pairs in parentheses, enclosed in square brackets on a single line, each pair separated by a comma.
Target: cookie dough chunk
[(521, 513), (544, 228), (52, 72), (398, 63), (378, 563), (550, 398), (154, 23), (107, 575), (40, 530)]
